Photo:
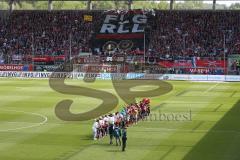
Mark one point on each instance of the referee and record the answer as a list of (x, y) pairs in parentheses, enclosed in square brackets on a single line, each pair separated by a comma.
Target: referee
[(124, 138)]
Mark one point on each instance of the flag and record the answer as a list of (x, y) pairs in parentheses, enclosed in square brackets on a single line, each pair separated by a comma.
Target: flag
[(88, 18)]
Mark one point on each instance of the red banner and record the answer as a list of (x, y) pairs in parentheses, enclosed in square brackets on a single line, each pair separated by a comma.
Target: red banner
[(176, 63), (98, 68), (11, 67), (88, 59), (198, 70), (204, 70), (193, 64), (48, 58), (210, 63), (61, 57), (42, 59)]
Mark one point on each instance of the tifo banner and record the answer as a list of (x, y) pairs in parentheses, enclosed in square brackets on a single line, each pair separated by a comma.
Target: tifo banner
[(122, 31)]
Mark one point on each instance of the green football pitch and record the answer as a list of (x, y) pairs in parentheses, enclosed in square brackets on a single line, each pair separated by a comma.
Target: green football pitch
[(209, 128)]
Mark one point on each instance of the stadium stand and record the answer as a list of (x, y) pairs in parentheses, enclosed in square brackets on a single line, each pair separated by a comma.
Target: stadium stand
[(174, 36), (195, 33)]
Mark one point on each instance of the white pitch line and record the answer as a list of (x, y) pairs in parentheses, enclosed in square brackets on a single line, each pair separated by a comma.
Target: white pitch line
[(45, 119), (16, 122), (209, 89)]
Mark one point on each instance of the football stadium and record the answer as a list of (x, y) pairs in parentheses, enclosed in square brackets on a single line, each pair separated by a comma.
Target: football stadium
[(119, 80)]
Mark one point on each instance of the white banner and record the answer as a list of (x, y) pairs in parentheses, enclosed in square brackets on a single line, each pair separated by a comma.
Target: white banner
[(119, 76)]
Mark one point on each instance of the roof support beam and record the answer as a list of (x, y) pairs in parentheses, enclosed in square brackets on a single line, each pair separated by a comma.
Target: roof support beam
[(171, 4), (50, 5), (11, 5), (89, 5), (214, 5), (129, 3)]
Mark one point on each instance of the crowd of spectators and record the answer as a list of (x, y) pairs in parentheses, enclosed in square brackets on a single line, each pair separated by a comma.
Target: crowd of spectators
[(172, 34), (45, 33), (195, 33)]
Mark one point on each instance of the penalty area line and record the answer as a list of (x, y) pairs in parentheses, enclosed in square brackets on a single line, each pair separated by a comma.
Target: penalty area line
[(209, 89)]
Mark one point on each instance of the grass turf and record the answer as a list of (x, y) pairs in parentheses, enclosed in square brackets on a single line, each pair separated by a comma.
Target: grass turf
[(212, 133)]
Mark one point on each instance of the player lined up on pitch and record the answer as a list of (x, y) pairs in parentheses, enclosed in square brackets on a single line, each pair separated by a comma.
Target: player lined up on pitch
[(115, 125)]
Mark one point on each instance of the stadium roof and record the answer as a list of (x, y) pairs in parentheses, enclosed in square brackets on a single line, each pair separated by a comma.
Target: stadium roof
[(129, 2)]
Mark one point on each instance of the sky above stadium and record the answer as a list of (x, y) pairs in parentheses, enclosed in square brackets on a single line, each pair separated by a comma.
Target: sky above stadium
[(228, 3)]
